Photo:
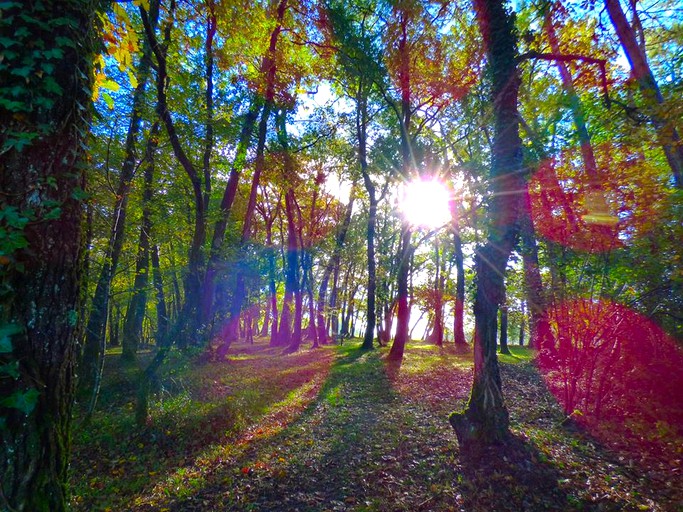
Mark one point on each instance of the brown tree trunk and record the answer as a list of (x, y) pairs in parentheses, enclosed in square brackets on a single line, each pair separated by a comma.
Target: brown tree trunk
[(503, 338), (485, 420), (189, 317), (285, 336), (405, 247), (162, 314), (41, 179)]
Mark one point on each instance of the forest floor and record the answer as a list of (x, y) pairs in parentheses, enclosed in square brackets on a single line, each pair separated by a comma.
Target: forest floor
[(338, 429)]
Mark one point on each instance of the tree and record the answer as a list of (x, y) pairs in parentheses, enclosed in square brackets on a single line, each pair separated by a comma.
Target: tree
[(44, 113), (485, 419), (667, 133)]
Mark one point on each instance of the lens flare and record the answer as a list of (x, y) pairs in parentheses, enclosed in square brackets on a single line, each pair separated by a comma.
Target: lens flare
[(425, 203)]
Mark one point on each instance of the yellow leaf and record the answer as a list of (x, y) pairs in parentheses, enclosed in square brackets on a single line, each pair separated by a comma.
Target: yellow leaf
[(133, 79)]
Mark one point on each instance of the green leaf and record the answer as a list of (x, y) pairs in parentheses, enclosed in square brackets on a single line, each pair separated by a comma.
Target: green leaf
[(25, 401), (7, 42), (21, 32), (55, 53), (6, 333), (108, 100), (79, 194), (65, 41), (53, 214), (52, 86), (22, 72), (11, 369)]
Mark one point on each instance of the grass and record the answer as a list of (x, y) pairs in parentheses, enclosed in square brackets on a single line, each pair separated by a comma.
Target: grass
[(341, 429)]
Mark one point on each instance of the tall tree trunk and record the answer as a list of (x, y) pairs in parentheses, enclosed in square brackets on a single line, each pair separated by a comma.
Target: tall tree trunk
[(41, 178), (667, 133), (436, 334), (503, 338), (536, 297), (162, 314), (459, 309), (521, 326), (333, 263), (405, 247), (285, 335), (403, 309), (269, 70), (333, 315), (486, 420), (229, 194), (132, 324), (94, 343), (114, 321), (362, 136)]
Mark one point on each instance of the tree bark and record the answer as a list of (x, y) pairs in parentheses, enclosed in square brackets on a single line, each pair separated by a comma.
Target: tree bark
[(269, 70), (42, 180), (189, 315), (503, 338), (162, 313), (485, 420)]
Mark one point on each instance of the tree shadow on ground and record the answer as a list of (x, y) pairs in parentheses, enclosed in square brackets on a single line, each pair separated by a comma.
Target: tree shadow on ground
[(516, 477)]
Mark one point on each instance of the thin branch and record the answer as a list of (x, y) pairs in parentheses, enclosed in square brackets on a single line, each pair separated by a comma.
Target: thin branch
[(568, 57)]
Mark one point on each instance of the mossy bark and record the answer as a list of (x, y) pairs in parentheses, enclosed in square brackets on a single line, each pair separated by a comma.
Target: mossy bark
[(42, 179)]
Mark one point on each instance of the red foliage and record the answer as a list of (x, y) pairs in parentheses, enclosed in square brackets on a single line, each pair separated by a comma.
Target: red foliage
[(614, 371)]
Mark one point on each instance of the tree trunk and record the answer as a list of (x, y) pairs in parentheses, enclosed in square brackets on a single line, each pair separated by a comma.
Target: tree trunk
[(403, 311), (436, 334), (162, 314), (322, 335), (485, 420), (521, 326), (459, 309), (536, 298), (189, 318), (405, 248), (42, 179), (667, 133), (503, 339), (285, 336), (114, 321), (132, 324)]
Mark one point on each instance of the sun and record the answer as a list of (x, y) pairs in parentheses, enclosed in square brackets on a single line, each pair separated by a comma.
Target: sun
[(425, 203)]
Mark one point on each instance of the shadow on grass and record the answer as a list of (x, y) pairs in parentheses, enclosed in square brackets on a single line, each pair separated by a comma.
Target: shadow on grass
[(199, 408), (320, 460), (516, 477)]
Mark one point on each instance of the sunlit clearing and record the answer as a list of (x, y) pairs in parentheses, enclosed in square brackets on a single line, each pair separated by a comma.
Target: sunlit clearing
[(425, 203)]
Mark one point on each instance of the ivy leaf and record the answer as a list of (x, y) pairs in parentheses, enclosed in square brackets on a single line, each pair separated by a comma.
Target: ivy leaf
[(6, 333), (11, 369), (25, 401)]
